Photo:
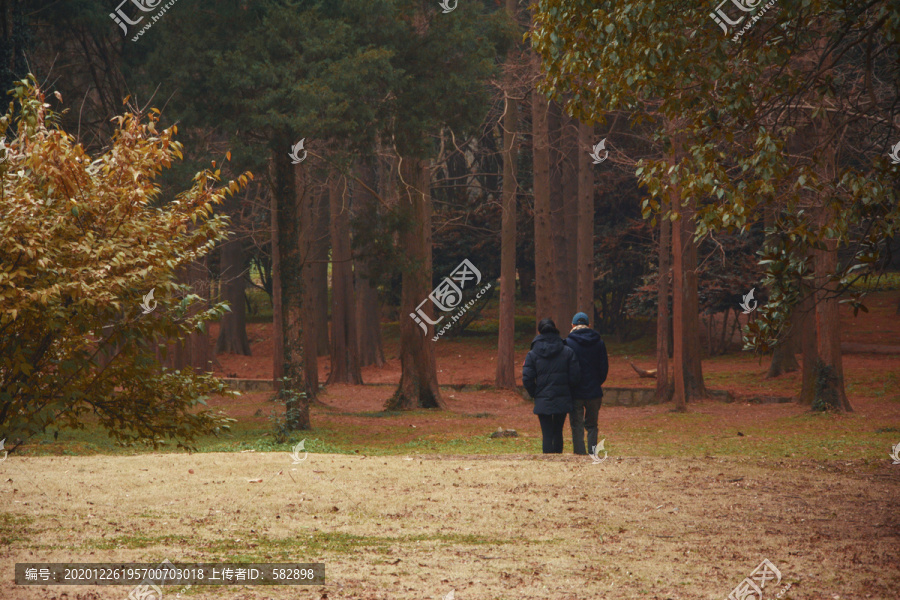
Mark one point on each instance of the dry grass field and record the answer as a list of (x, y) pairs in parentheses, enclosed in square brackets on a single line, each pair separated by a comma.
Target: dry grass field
[(485, 527)]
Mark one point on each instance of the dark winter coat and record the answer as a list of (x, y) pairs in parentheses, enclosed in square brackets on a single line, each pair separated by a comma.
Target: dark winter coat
[(592, 358), (550, 373)]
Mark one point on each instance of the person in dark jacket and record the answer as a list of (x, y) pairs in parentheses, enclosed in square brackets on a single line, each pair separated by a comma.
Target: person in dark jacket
[(594, 363), (550, 373)]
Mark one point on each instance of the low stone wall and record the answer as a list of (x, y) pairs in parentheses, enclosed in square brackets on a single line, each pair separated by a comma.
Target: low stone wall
[(613, 396), (249, 385)]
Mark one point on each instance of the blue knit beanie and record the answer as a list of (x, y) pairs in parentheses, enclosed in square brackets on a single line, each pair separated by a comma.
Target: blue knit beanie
[(580, 319)]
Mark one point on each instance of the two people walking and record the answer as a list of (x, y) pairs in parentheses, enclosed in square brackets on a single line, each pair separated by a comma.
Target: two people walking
[(565, 377)]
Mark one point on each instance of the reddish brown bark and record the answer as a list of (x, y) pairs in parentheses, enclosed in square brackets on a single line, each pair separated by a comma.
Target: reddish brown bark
[(544, 276), (664, 387), (568, 263), (558, 233), (829, 390), (344, 348), (308, 200), (506, 376), (418, 378), (368, 305), (804, 317), (693, 349), (290, 261), (233, 327), (679, 392), (277, 324), (784, 358), (584, 294), (368, 320), (321, 245)]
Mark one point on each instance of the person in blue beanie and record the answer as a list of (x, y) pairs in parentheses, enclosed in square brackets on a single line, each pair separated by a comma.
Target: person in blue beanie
[(586, 398), (550, 373)]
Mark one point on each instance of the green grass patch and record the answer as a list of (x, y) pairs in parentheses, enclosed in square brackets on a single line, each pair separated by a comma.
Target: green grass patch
[(135, 541), (14, 528), (260, 548)]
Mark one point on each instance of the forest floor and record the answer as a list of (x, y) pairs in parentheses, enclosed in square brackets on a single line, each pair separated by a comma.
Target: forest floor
[(416, 504), (871, 359)]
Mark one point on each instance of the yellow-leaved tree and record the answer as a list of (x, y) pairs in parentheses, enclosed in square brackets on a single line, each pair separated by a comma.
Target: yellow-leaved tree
[(84, 240)]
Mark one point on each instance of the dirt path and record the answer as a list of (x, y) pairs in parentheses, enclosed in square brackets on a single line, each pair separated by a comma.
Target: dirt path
[(519, 527)]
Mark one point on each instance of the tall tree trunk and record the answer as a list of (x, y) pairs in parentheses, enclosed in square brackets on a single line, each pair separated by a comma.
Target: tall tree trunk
[(344, 349), (233, 327), (569, 172), (290, 261), (544, 276), (784, 359), (830, 392), (418, 378), (200, 356), (664, 387), (804, 317), (368, 319), (506, 375), (680, 393), (368, 306), (308, 198), (321, 246), (584, 296), (693, 349), (681, 228), (277, 321), (559, 247)]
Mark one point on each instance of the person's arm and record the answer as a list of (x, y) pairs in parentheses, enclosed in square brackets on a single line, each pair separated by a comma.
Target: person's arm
[(574, 370), (528, 374), (602, 364)]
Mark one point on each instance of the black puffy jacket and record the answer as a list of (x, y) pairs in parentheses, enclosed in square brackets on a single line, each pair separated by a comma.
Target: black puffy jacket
[(592, 358), (550, 373)]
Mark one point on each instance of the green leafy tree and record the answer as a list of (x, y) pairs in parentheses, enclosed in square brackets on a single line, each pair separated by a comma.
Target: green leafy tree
[(793, 116), (83, 241)]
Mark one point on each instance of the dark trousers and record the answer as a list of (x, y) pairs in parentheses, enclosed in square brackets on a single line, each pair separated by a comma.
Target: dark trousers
[(584, 416), (552, 430)]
